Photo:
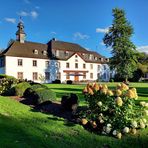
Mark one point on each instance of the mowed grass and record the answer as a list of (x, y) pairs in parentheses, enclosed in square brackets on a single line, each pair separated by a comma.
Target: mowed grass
[(23, 127)]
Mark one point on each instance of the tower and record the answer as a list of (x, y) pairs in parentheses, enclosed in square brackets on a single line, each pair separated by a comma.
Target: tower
[(20, 34)]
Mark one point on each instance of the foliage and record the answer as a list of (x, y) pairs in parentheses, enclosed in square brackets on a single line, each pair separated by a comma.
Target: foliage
[(114, 112), (124, 59), (39, 93), (6, 83), (20, 88), (69, 82), (21, 126), (57, 81), (43, 95)]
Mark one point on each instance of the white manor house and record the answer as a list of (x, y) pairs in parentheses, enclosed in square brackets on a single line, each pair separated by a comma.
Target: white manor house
[(55, 60)]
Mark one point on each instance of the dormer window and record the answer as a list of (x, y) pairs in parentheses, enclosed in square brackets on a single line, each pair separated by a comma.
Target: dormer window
[(66, 53), (101, 59), (90, 56), (44, 52), (57, 53), (95, 58), (35, 51), (107, 60)]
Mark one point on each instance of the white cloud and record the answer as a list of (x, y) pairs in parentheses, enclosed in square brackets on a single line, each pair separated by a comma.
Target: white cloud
[(10, 20), (101, 43), (102, 30), (34, 14), (80, 36), (23, 13), (53, 33), (143, 49)]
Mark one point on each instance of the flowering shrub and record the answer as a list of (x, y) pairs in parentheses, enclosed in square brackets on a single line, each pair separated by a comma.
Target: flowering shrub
[(113, 112), (6, 84)]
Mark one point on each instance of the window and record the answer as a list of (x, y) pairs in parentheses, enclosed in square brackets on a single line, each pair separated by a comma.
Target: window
[(58, 75), (35, 51), (76, 65), (35, 76), (90, 56), (47, 76), (57, 53), (34, 62), (95, 58), (20, 62), (76, 56), (101, 59), (91, 75), (58, 65), (84, 75), (91, 66), (20, 75), (46, 63), (104, 75), (84, 66), (66, 53), (44, 52), (104, 67), (67, 65), (67, 76), (98, 76), (2, 62), (99, 67)]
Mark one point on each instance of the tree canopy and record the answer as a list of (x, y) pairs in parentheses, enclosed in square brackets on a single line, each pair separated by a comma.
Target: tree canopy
[(124, 59)]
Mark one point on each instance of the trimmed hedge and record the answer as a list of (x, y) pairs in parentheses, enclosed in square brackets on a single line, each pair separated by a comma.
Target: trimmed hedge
[(38, 93), (44, 95), (20, 88)]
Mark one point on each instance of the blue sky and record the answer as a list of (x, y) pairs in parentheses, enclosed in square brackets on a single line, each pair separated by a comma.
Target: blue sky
[(79, 21)]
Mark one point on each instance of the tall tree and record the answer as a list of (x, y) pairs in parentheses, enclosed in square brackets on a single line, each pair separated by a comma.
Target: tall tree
[(124, 59)]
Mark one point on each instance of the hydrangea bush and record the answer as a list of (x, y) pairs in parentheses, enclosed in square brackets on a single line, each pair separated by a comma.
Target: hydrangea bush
[(114, 112)]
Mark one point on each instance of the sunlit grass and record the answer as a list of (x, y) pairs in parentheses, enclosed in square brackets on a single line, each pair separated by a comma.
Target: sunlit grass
[(21, 126)]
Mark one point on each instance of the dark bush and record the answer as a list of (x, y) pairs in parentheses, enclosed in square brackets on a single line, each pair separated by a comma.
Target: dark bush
[(70, 103), (44, 95), (20, 88), (57, 81), (39, 95), (69, 81)]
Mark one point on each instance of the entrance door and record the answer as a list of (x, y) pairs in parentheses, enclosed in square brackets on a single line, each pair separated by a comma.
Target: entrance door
[(76, 77)]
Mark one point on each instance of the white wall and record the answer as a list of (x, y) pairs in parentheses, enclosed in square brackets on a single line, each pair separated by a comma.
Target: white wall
[(80, 62), (12, 67)]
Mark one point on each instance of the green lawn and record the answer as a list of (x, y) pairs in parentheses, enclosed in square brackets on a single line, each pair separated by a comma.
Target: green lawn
[(23, 127)]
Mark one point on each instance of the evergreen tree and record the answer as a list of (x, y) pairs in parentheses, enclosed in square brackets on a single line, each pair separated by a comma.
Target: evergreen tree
[(124, 59)]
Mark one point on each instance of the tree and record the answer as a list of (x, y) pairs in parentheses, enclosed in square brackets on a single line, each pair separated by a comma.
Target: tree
[(124, 59)]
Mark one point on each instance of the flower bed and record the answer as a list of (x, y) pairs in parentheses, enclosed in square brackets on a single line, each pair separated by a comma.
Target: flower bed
[(113, 112)]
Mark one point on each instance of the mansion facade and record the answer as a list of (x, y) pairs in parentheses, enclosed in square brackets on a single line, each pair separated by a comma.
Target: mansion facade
[(54, 60)]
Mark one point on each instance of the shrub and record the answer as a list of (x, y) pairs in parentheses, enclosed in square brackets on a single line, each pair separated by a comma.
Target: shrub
[(37, 94), (114, 112), (36, 86), (57, 81), (28, 92), (69, 81), (20, 88), (6, 83), (44, 95)]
